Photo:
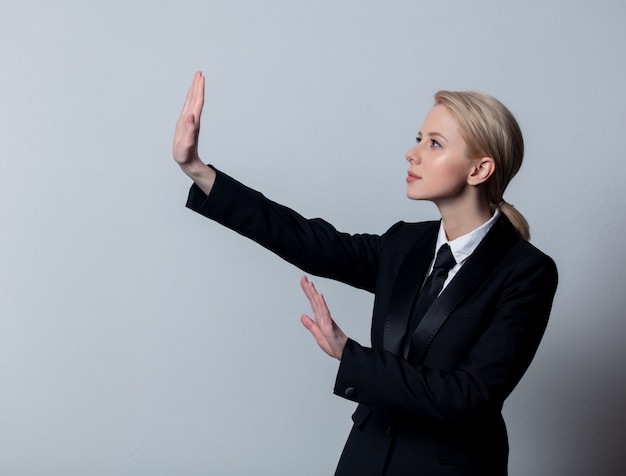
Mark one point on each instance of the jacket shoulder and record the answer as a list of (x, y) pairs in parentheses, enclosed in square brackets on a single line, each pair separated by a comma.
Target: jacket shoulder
[(404, 231), (533, 255)]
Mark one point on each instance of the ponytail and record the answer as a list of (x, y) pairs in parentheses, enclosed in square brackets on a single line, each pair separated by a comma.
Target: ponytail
[(517, 219)]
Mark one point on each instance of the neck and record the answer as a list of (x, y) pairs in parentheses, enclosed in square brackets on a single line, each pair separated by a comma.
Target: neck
[(464, 217)]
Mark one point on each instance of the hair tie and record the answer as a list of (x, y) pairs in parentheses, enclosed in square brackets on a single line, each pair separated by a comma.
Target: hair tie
[(495, 206)]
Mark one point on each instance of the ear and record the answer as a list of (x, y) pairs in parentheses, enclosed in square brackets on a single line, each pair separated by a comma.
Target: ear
[(483, 168)]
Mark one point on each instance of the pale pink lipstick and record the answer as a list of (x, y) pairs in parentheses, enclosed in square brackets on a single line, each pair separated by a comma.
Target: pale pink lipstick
[(411, 177)]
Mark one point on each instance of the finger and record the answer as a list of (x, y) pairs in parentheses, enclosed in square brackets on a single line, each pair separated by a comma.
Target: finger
[(195, 97), (308, 289), (307, 321), (313, 328), (189, 98), (306, 284), (303, 282), (317, 334), (323, 313), (198, 96), (316, 300)]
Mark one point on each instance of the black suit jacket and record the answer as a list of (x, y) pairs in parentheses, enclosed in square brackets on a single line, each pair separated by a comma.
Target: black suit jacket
[(438, 413)]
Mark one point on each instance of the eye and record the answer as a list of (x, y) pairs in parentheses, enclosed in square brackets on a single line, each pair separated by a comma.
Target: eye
[(418, 139), (435, 144)]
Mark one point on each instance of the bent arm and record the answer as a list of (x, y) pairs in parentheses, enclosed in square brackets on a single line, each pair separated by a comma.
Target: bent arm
[(481, 380)]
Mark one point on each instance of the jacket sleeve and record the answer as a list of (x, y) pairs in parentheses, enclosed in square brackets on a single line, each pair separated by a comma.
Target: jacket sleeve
[(312, 245), (481, 379)]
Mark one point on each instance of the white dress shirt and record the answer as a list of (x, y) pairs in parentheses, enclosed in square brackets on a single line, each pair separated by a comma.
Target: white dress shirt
[(463, 246)]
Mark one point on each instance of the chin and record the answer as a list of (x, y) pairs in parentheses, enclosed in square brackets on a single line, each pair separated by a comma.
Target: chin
[(413, 195)]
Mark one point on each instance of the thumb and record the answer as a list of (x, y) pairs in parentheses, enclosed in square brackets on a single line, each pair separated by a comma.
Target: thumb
[(307, 321)]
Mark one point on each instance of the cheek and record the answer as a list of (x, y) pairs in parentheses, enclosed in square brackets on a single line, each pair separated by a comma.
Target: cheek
[(456, 169), (451, 172)]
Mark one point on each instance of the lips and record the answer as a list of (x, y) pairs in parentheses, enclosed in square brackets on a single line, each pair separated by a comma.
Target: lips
[(411, 177)]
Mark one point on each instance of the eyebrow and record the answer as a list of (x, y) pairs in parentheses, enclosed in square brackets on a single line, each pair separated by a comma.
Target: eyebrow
[(433, 134)]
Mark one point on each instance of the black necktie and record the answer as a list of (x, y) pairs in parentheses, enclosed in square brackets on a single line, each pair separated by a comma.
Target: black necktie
[(431, 289)]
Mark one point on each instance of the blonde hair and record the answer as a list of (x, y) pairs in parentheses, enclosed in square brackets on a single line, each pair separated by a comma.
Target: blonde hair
[(490, 130)]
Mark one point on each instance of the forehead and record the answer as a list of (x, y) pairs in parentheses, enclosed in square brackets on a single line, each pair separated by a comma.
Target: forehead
[(440, 120)]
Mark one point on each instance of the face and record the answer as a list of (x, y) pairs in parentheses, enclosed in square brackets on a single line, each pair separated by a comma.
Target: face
[(438, 164)]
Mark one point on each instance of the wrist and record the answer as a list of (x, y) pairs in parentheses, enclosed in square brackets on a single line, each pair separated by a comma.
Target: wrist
[(203, 175), (342, 346), (193, 167)]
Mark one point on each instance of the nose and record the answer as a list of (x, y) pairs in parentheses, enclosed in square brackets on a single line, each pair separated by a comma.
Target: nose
[(412, 155)]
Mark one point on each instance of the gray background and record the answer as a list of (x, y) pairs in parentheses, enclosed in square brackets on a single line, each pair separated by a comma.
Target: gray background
[(138, 338)]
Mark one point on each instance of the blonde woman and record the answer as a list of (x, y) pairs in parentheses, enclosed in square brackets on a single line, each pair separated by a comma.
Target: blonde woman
[(460, 307)]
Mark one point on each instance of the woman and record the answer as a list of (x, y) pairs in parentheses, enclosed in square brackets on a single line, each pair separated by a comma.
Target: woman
[(448, 345)]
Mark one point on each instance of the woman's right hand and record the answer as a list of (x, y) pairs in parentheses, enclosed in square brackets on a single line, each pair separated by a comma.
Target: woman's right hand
[(186, 137), (324, 329)]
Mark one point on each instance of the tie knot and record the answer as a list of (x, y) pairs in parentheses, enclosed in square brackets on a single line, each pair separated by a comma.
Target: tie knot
[(444, 258)]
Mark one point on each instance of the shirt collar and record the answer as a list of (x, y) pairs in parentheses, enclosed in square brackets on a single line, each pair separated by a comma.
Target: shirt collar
[(463, 246)]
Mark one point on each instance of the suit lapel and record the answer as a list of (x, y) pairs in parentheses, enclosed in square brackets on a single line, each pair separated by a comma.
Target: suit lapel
[(408, 281), (475, 271)]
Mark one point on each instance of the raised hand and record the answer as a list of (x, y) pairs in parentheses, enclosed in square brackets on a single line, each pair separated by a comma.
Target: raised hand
[(186, 137), (188, 125), (327, 333)]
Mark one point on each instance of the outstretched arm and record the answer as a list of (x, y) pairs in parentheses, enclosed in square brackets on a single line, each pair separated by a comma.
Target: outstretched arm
[(327, 333), (186, 137)]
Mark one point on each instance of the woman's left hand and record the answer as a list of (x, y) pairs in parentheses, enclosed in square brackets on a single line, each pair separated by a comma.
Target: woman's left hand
[(327, 333)]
